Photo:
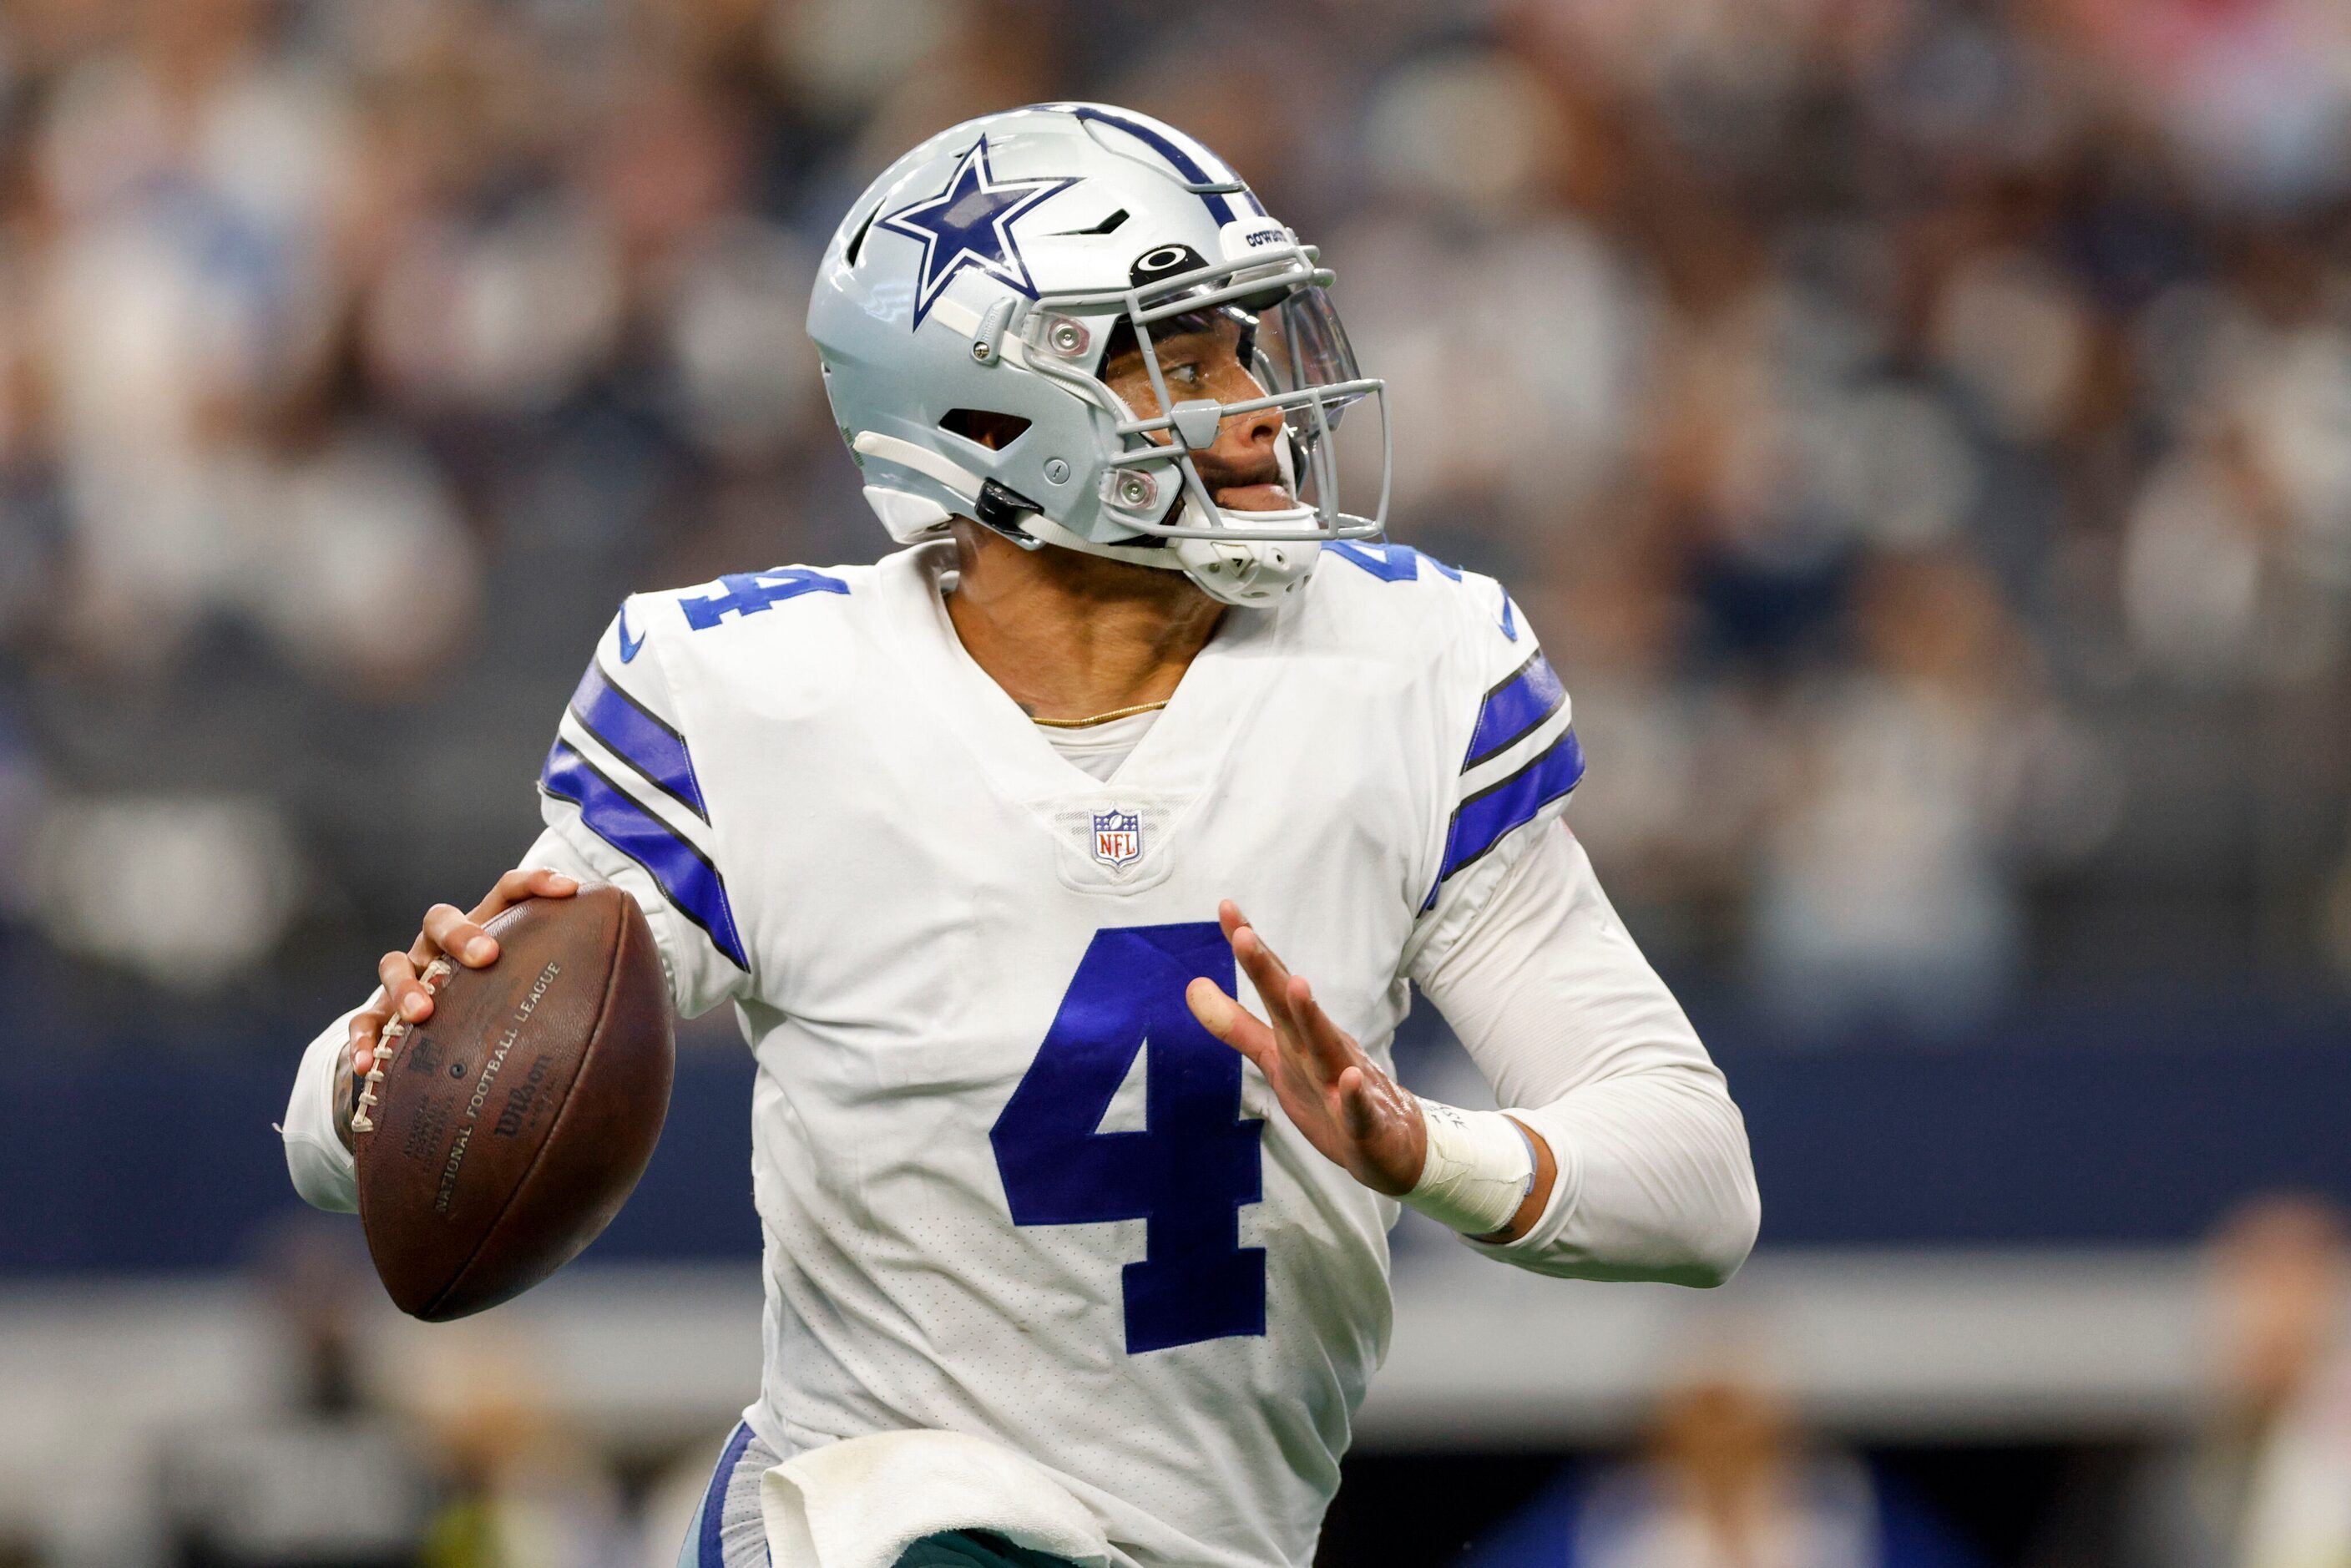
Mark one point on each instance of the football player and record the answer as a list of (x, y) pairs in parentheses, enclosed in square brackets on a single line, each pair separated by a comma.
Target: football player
[(1067, 871)]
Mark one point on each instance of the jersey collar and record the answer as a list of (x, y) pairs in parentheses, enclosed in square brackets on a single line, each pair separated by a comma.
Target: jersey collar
[(1186, 749)]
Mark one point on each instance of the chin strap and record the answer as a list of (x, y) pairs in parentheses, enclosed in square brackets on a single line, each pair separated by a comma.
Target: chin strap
[(1251, 573), (1242, 570)]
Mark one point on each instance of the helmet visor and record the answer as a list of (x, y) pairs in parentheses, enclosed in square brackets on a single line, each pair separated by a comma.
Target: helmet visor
[(1229, 386)]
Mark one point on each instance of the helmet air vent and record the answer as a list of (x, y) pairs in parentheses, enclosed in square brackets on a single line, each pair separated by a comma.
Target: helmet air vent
[(1108, 225), (856, 246), (984, 427)]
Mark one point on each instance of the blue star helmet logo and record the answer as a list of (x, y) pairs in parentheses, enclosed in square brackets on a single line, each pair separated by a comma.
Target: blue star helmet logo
[(969, 224)]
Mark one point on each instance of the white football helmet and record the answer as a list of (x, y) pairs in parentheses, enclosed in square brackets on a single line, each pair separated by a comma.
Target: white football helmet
[(976, 285)]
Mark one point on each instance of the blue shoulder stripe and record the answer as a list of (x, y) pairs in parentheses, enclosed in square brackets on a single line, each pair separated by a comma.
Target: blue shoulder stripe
[(638, 737), (684, 873), (1513, 709), (1483, 820)]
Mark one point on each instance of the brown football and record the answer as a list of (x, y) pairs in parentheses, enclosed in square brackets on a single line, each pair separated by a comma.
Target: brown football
[(506, 1131)]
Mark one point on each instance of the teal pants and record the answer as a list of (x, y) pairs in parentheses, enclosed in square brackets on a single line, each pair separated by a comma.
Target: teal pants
[(975, 1549)]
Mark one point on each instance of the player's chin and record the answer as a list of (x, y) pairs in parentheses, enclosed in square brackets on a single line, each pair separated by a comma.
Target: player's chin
[(1254, 498)]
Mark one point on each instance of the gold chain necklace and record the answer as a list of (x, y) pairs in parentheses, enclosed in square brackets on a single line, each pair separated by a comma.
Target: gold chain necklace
[(1101, 717)]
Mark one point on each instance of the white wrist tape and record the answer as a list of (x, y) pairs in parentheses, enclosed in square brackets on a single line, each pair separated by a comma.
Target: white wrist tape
[(1480, 1167)]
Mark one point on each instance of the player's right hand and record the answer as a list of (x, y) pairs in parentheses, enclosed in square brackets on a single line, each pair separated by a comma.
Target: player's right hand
[(450, 933)]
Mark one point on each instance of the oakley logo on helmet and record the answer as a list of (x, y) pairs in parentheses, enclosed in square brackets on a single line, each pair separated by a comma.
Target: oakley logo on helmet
[(968, 225), (1166, 261)]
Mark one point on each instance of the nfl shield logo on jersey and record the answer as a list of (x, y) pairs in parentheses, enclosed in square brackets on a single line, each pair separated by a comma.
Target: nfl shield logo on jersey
[(1118, 837)]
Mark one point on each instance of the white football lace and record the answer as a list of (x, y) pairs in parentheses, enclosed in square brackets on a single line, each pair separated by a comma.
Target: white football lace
[(397, 1029)]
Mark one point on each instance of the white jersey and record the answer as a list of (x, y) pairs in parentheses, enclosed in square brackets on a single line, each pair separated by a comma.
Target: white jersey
[(1008, 1185)]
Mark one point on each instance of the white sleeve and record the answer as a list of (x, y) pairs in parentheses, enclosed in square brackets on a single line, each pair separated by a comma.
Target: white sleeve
[(1582, 1041), (316, 1156)]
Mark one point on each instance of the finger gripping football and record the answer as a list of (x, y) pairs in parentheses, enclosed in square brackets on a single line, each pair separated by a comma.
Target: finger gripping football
[(499, 1137)]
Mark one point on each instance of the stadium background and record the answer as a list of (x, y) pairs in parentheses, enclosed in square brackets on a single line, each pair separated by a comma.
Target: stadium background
[(1920, 430)]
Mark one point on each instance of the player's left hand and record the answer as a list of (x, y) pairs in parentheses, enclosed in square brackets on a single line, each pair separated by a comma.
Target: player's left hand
[(1358, 1116)]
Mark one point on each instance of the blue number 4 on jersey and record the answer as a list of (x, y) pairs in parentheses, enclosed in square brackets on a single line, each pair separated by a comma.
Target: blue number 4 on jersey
[(1191, 1168)]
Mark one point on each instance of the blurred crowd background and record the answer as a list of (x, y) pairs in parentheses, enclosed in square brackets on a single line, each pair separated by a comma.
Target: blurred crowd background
[(1921, 429)]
